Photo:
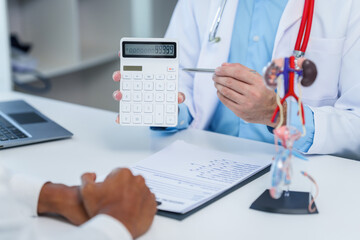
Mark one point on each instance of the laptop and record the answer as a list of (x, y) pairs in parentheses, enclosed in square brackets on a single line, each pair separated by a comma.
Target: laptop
[(22, 124)]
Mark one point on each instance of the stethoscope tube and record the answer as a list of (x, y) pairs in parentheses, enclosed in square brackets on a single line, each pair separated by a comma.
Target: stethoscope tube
[(304, 31), (216, 23)]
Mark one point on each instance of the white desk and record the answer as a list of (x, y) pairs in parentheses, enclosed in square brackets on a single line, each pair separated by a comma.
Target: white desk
[(100, 145)]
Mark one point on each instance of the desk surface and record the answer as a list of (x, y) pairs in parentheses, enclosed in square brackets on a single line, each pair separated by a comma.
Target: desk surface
[(100, 145)]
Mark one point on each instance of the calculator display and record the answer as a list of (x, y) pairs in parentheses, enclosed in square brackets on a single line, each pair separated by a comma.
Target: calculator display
[(149, 50)]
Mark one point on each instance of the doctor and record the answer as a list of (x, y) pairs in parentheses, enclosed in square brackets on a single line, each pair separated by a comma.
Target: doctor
[(252, 33)]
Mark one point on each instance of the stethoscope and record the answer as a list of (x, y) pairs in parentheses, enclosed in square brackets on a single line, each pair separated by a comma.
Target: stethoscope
[(216, 23), (304, 31)]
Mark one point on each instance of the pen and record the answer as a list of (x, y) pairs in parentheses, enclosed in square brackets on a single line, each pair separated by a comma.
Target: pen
[(207, 70), (199, 70)]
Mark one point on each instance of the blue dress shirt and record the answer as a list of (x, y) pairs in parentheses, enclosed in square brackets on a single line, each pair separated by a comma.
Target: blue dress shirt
[(252, 43)]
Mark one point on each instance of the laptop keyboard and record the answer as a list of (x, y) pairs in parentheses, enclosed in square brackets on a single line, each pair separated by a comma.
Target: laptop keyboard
[(8, 131)]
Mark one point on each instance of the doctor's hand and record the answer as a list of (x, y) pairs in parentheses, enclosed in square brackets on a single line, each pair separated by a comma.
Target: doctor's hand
[(123, 196), (243, 91), (118, 96)]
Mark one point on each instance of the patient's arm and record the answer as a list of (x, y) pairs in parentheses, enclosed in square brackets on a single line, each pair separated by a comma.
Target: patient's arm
[(62, 200)]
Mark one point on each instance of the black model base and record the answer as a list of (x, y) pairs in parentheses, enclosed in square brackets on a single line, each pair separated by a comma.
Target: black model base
[(292, 203)]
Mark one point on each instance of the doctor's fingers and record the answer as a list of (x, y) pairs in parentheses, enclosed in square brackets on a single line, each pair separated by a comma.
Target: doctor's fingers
[(117, 95), (236, 85), (181, 97), (233, 106), (239, 72), (116, 76), (230, 94)]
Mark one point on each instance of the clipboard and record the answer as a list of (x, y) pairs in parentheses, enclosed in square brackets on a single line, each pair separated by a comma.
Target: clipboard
[(180, 217)]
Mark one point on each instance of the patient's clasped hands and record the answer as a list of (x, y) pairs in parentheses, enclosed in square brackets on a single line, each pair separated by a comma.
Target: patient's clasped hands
[(122, 196)]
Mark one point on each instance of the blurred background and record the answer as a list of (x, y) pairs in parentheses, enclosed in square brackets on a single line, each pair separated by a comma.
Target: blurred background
[(67, 49)]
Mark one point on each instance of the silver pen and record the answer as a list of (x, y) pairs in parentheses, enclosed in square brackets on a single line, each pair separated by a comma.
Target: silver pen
[(199, 70), (208, 70)]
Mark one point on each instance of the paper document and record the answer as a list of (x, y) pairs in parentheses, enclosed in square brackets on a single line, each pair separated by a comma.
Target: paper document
[(183, 176)]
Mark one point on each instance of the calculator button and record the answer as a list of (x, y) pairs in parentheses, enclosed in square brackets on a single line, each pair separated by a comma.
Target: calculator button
[(171, 77), (171, 86), (148, 86), (137, 119), (148, 97), (137, 108), (138, 76), (148, 119), (125, 118), (160, 77), (126, 85), (148, 108), (159, 114), (159, 86), (138, 86), (159, 97), (171, 97), (170, 108), (125, 107), (137, 96), (170, 119), (126, 96), (171, 69), (126, 76), (149, 76)]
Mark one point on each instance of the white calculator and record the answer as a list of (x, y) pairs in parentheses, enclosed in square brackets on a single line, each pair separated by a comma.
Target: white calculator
[(149, 82)]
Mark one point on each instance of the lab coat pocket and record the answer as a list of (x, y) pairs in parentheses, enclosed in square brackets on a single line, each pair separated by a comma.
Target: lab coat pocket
[(327, 55)]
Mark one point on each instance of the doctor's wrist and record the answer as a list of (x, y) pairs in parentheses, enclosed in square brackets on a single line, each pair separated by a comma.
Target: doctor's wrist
[(278, 118)]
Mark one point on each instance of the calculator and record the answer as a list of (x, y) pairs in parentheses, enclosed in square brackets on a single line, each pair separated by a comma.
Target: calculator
[(149, 82)]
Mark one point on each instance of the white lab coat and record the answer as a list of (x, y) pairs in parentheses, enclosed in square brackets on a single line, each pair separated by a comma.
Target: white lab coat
[(334, 46)]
